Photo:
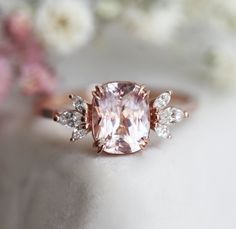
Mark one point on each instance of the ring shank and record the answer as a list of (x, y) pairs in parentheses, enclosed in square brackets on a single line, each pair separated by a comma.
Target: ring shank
[(49, 106)]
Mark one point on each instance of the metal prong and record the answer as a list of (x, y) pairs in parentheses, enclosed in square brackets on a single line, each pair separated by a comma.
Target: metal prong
[(99, 145), (98, 93), (100, 149), (143, 142), (169, 136), (71, 96), (56, 117), (186, 114), (95, 94), (147, 93), (170, 92), (99, 89), (95, 144), (142, 90), (72, 139)]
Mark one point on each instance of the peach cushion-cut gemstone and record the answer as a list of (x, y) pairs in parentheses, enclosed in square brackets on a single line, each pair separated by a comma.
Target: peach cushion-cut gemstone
[(121, 117)]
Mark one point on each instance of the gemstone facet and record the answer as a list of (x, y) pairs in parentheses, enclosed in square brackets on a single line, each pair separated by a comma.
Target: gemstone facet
[(78, 133), (79, 103), (121, 117), (70, 118), (171, 115), (162, 100), (163, 131), (76, 119), (166, 116)]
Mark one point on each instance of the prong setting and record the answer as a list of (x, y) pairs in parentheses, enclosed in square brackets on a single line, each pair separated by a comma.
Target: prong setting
[(76, 119), (142, 90), (144, 142), (56, 117), (163, 117), (170, 92), (99, 144), (186, 114), (121, 116), (71, 96), (162, 100), (98, 92)]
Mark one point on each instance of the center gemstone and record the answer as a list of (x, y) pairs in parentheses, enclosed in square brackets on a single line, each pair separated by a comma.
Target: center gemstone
[(121, 117)]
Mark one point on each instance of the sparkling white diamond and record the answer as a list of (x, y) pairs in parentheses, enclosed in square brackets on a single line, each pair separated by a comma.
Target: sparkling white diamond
[(166, 116), (76, 119)]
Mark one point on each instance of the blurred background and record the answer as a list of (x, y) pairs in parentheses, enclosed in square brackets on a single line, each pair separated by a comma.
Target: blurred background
[(48, 46)]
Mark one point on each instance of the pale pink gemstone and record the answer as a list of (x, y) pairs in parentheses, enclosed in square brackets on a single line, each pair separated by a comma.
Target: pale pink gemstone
[(121, 117)]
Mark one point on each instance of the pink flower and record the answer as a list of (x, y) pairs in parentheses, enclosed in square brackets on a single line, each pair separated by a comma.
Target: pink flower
[(18, 29), (33, 52), (5, 77), (7, 49), (37, 79), (28, 57), (17, 26)]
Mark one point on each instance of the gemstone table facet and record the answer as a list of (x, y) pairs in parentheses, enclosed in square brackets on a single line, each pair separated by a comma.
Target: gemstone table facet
[(121, 117)]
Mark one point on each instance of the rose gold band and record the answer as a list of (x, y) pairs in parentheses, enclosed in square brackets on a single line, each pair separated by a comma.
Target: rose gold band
[(49, 106)]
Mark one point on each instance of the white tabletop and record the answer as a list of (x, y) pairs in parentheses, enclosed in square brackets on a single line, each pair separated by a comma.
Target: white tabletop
[(186, 182)]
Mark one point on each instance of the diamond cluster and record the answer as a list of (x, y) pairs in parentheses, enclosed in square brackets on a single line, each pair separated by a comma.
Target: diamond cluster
[(166, 116), (76, 118)]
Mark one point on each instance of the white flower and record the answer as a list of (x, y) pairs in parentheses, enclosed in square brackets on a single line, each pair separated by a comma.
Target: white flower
[(157, 25), (221, 65), (64, 24), (108, 9)]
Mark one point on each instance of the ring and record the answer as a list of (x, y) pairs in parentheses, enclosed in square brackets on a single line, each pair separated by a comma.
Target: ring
[(119, 114)]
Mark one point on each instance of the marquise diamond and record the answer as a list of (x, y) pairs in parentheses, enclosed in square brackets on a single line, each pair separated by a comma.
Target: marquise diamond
[(170, 115), (163, 131), (78, 133), (166, 116), (76, 119), (162, 100), (70, 118), (79, 104)]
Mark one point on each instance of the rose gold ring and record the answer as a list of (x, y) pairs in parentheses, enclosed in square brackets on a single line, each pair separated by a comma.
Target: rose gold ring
[(119, 114)]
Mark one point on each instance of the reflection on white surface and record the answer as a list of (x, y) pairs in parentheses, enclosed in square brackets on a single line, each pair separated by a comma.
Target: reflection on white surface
[(187, 182)]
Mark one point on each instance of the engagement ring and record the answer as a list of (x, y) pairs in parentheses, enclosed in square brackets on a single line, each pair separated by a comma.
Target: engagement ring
[(120, 115)]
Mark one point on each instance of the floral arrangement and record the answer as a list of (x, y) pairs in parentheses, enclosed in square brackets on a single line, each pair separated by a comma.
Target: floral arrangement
[(31, 28), (23, 59)]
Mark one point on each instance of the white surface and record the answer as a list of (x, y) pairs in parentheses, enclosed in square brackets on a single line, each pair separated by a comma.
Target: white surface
[(187, 182)]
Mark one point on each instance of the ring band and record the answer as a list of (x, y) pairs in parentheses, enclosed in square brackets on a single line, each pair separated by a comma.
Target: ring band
[(119, 114)]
